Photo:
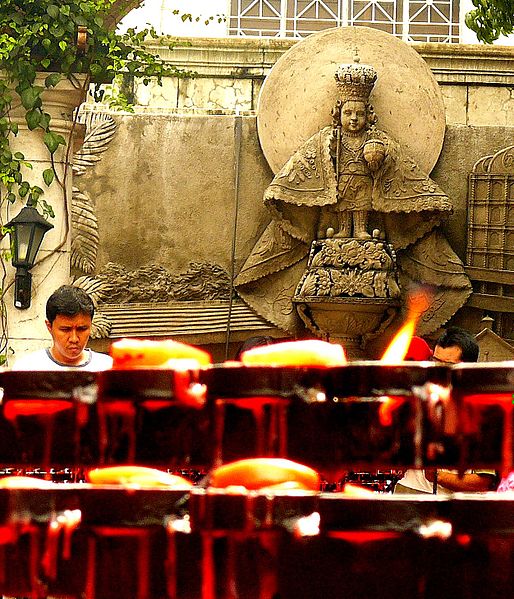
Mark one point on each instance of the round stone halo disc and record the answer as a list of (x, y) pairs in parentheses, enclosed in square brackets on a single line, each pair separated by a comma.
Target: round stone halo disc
[(300, 91)]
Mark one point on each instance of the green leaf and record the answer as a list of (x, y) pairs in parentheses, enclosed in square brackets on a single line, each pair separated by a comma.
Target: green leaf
[(23, 189), (35, 192), (47, 209), (30, 97), (63, 45), (53, 79), (14, 128), (53, 11), (57, 30), (19, 156), (45, 63), (53, 141), (33, 117), (48, 176), (80, 20), (44, 121)]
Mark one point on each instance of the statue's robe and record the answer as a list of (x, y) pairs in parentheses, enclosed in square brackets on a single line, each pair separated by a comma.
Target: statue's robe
[(408, 203)]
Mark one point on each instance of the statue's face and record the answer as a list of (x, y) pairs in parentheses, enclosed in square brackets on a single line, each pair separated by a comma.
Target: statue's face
[(353, 116)]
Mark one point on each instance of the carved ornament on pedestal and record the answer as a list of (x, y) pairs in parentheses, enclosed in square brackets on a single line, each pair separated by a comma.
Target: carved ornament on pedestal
[(349, 291)]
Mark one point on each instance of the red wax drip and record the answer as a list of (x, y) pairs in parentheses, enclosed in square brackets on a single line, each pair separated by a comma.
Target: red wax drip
[(490, 398), (154, 406), (171, 562), (117, 531), (60, 526), (388, 406), (91, 569), (7, 535), (49, 559), (115, 419), (23, 407), (360, 537), (208, 567)]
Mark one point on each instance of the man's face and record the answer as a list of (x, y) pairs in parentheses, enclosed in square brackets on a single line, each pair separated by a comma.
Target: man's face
[(70, 335), (450, 355), (353, 116)]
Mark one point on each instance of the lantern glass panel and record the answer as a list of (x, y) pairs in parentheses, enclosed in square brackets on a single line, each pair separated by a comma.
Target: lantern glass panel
[(22, 235), (37, 238)]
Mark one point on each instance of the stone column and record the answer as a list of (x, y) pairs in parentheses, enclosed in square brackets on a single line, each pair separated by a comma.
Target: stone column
[(26, 328)]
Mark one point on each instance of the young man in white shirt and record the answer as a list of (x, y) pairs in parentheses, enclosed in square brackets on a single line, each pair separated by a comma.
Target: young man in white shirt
[(69, 313)]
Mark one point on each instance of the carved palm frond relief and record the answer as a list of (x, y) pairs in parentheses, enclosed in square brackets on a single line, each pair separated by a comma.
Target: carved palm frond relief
[(98, 290), (85, 239), (100, 130)]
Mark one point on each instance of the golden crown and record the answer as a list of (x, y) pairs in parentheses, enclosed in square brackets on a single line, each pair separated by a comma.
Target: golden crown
[(355, 81)]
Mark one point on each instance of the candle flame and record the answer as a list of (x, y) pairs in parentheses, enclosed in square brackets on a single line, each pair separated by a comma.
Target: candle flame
[(399, 346), (418, 302)]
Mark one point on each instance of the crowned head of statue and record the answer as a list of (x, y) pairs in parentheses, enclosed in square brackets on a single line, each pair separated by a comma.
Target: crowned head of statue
[(353, 110)]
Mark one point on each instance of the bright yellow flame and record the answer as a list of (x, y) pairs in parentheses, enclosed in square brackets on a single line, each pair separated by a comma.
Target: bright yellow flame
[(418, 302), (399, 346)]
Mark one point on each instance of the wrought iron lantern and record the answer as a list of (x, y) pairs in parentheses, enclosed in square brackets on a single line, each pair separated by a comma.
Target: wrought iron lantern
[(27, 230)]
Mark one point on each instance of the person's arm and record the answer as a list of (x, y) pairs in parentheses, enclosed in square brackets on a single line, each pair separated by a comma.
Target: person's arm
[(469, 482)]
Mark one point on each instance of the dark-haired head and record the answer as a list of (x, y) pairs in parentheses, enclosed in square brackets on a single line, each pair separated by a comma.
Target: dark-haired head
[(69, 301), (457, 337)]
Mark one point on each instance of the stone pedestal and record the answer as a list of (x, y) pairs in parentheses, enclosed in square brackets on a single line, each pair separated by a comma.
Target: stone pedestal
[(349, 291), (348, 321)]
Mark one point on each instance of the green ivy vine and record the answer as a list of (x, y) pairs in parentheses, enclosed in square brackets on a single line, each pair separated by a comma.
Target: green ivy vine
[(61, 38)]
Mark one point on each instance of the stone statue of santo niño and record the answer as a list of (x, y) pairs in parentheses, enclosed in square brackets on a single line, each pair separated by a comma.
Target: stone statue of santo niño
[(369, 171), (351, 181)]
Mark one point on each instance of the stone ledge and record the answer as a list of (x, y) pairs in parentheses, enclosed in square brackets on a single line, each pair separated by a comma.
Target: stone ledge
[(254, 57)]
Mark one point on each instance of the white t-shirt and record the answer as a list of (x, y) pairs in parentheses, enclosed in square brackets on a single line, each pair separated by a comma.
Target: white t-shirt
[(416, 479), (43, 360)]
